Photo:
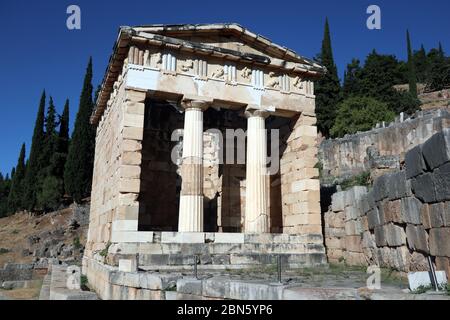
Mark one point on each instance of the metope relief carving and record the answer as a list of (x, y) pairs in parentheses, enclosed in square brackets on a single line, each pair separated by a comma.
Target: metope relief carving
[(218, 73), (246, 73), (274, 81), (187, 65)]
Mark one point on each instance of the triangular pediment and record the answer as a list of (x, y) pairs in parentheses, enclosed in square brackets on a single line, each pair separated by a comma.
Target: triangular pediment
[(226, 36)]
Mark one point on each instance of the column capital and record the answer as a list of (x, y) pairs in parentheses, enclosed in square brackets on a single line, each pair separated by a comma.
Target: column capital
[(195, 103), (256, 113)]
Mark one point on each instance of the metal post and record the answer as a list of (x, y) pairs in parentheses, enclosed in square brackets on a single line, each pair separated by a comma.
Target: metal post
[(195, 266), (433, 274), (279, 267)]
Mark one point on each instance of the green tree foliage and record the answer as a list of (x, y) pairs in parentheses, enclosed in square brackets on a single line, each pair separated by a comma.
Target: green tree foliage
[(360, 114), (5, 186), (50, 177), (34, 164), (352, 79), (421, 64), (79, 164), (15, 197), (438, 76), (328, 88), (376, 79), (412, 80)]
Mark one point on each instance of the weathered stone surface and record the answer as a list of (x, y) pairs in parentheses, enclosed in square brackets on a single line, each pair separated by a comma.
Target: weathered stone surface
[(417, 238), (391, 211), (351, 213), (337, 201), (436, 215), (415, 164), (440, 242), (443, 263), (398, 187), (424, 187), (425, 215), (380, 236), (353, 227), (411, 208), (436, 150), (190, 286), (441, 179), (373, 218), (380, 188), (353, 243), (395, 235), (368, 240)]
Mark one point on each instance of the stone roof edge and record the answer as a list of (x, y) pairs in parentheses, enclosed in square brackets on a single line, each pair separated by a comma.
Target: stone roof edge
[(126, 35)]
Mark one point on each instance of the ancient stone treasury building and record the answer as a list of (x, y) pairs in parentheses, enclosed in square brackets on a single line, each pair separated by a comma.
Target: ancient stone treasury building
[(206, 146)]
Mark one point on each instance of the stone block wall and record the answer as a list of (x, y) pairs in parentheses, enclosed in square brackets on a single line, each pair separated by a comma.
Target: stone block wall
[(402, 219), (379, 150), (300, 186)]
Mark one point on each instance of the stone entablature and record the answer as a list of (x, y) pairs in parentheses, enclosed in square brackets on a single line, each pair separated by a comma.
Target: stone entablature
[(152, 56)]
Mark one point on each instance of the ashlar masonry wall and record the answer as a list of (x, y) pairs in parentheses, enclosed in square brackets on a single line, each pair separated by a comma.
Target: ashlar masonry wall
[(401, 220)]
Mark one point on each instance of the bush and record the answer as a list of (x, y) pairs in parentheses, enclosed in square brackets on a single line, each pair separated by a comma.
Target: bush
[(359, 114), (362, 179)]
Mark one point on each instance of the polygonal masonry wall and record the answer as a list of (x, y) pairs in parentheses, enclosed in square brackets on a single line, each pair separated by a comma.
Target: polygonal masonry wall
[(143, 184)]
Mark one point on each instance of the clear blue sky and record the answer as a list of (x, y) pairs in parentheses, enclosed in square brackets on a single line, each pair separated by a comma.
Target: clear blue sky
[(38, 51)]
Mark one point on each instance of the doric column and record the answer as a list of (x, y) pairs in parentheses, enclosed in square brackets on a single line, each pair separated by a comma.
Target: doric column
[(191, 198), (256, 200)]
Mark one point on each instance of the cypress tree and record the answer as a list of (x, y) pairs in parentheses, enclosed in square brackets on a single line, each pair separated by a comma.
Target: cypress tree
[(50, 176), (328, 87), (15, 198), (3, 196), (80, 159), (411, 68), (64, 129), (34, 165)]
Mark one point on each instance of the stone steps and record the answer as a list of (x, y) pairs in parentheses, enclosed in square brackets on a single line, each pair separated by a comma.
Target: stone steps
[(226, 260)]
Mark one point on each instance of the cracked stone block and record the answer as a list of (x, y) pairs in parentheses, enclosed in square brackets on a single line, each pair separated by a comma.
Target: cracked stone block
[(373, 218), (440, 242), (380, 188), (380, 236), (441, 179), (395, 235), (411, 208), (337, 201), (436, 150), (435, 215), (415, 164), (417, 238), (424, 187), (398, 186)]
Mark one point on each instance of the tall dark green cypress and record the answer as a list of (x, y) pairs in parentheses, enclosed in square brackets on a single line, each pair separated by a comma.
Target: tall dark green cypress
[(328, 87), (80, 160), (63, 143), (50, 185), (412, 78), (64, 129), (15, 198), (34, 165)]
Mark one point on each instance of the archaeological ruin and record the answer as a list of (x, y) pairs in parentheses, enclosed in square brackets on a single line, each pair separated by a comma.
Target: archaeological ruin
[(169, 183)]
